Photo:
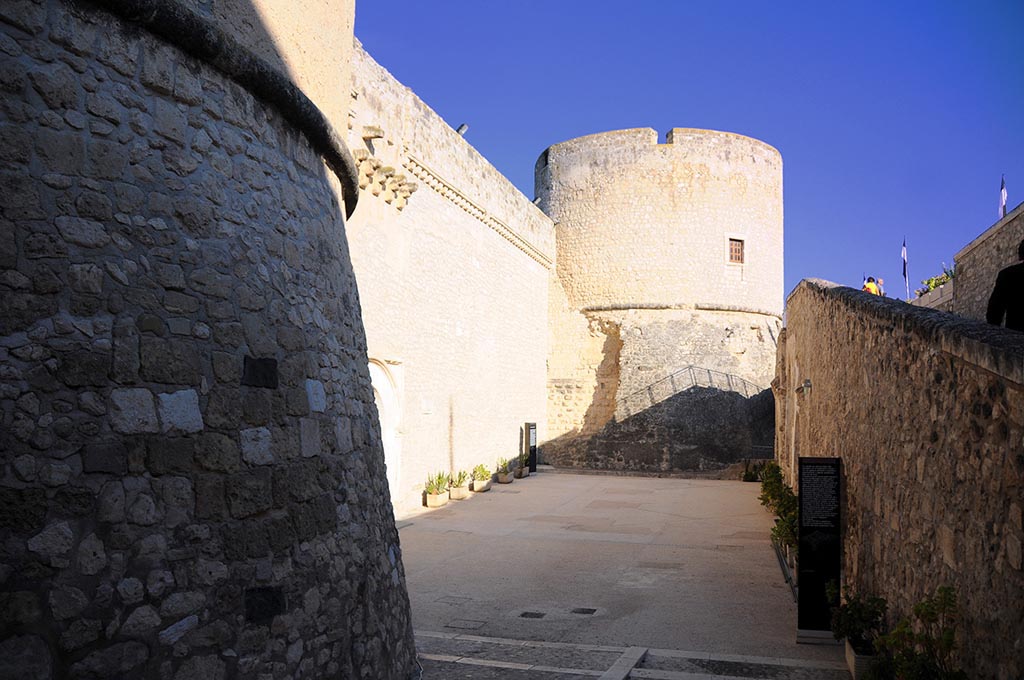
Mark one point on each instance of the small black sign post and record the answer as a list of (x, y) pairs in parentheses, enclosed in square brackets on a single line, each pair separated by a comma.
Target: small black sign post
[(820, 546), (530, 445)]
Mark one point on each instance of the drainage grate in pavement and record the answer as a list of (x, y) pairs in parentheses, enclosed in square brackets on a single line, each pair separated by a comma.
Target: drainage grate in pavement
[(584, 610), (532, 615)]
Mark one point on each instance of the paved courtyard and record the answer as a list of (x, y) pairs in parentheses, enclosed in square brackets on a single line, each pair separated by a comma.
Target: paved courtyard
[(564, 575)]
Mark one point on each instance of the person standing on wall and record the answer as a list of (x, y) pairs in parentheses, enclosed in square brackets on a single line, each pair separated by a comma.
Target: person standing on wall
[(870, 286), (881, 289), (1007, 298)]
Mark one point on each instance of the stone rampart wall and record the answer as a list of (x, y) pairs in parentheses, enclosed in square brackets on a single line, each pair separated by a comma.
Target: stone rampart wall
[(978, 263), (927, 412), (191, 475), (452, 264)]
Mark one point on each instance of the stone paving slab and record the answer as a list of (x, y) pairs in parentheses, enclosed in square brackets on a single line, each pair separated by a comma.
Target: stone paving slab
[(531, 653), (440, 670), (742, 669), (457, 656)]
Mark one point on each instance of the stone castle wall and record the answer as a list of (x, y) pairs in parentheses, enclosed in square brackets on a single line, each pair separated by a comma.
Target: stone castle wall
[(191, 474), (452, 264), (645, 289), (978, 263), (926, 411)]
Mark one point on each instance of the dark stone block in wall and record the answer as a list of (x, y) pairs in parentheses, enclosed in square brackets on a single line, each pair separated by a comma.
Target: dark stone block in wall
[(111, 457), (260, 372), (263, 604), (73, 501), (22, 509), (168, 455)]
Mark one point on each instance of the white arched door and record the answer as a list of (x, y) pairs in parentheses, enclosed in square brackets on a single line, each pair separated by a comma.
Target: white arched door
[(386, 396)]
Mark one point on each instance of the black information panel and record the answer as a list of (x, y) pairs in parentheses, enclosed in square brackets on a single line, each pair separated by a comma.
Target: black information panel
[(530, 445), (820, 551)]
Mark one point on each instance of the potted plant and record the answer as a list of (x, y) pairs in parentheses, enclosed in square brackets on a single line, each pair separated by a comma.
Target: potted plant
[(520, 468), (481, 478), (504, 475), (437, 490), (860, 621), (459, 488)]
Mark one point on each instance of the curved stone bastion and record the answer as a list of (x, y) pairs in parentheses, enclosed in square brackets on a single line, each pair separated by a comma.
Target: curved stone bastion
[(191, 476), (668, 298)]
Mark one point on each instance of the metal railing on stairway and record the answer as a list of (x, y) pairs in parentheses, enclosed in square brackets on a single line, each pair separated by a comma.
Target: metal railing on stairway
[(683, 379)]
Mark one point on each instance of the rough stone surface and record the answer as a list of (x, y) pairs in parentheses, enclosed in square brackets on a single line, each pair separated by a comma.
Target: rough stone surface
[(159, 225), (179, 412), (257, 446), (132, 411), (926, 410)]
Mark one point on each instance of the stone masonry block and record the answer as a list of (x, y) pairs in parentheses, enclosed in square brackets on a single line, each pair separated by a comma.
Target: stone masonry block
[(256, 446), (316, 396), (179, 411), (132, 410)]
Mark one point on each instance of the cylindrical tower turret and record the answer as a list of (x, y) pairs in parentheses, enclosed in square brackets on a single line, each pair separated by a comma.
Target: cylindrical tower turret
[(695, 221), (668, 296)]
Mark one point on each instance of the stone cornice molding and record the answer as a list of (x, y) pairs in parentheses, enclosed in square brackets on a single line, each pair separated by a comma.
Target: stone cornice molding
[(205, 41), (433, 180), (700, 306)]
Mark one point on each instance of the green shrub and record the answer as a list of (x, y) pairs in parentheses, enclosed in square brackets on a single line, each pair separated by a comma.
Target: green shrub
[(780, 499), (460, 478), (437, 483), (922, 648), (860, 620), (481, 473)]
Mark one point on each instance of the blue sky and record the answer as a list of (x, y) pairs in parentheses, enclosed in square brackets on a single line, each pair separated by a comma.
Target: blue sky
[(893, 118)]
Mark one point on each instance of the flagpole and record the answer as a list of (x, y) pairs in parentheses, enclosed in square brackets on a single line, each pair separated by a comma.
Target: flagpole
[(906, 275)]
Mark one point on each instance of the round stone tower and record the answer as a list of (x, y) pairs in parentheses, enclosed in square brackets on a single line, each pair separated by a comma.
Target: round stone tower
[(191, 476), (672, 254)]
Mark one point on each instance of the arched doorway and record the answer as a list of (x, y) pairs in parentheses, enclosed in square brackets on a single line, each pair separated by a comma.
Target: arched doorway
[(387, 394)]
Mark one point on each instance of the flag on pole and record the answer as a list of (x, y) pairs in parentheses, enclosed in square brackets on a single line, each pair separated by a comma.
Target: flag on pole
[(1002, 198), (906, 279)]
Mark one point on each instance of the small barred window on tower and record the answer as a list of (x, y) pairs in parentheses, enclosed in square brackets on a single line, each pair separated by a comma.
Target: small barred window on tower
[(735, 251)]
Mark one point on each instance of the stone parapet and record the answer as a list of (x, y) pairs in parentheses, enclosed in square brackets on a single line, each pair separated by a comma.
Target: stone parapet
[(926, 410)]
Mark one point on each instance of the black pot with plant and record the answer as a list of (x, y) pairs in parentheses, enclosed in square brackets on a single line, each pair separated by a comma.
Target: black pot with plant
[(860, 620)]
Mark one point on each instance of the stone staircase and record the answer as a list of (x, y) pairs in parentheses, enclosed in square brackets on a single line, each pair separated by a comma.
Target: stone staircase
[(451, 656)]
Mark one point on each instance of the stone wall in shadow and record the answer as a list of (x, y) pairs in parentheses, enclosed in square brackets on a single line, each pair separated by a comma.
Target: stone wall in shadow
[(697, 429)]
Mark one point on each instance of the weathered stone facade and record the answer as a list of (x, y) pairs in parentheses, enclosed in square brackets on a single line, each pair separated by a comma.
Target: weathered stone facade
[(658, 338), (191, 476), (926, 411), (452, 263), (978, 263)]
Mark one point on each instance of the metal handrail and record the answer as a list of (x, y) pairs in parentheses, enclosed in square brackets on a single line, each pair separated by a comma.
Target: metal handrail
[(693, 376)]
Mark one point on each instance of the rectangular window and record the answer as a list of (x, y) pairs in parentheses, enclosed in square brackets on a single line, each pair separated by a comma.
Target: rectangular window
[(736, 250)]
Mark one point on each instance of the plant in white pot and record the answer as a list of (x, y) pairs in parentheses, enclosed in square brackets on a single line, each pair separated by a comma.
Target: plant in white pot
[(481, 478), (437, 489), (459, 489), (503, 472)]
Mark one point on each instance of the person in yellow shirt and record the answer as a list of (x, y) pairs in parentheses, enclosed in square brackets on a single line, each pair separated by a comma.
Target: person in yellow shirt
[(870, 286)]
